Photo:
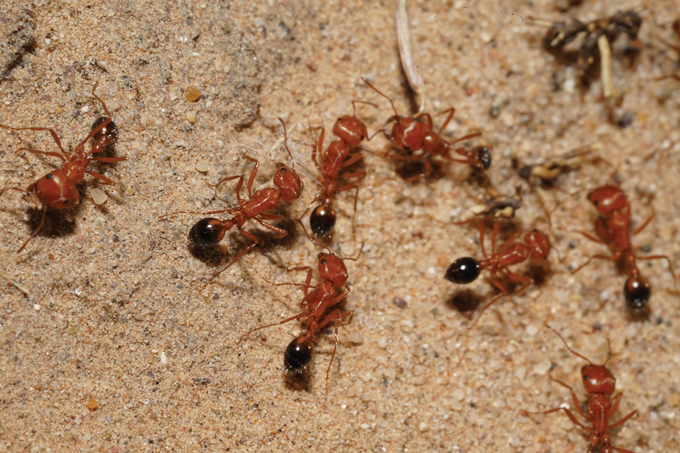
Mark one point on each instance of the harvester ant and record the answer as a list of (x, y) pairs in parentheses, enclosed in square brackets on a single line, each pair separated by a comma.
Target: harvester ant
[(57, 189), (416, 133), (329, 291), (599, 382), (209, 231), (351, 132), (534, 245), (613, 229)]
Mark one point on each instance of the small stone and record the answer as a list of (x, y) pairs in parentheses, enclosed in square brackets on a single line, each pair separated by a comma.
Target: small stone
[(164, 358), (531, 330), (98, 196), (382, 343), (191, 117), (192, 93), (92, 405), (399, 302), (202, 166), (355, 337), (423, 427)]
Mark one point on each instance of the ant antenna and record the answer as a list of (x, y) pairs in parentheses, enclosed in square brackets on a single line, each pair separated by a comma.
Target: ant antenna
[(381, 94), (565, 343), (285, 143)]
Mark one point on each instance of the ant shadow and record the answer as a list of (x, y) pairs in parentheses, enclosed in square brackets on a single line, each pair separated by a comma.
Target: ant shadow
[(58, 222), (299, 381), (465, 301)]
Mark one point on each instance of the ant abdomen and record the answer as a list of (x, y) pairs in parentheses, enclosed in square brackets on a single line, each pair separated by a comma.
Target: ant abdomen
[(463, 270), (322, 220), (298, 354), (637, 291), (207, 232), (108, 134)]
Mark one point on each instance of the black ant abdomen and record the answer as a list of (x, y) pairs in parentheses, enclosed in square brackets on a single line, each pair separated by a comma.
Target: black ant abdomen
[(463, 270), (637, 291), (207, 232), (483, 156), (298, 354), (108, 134), (322, 220)]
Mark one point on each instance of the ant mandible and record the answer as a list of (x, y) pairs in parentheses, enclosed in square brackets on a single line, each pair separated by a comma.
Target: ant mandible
[(57, 189), (209, 231), (351, 132), (599, 382), (534, 245), (330, 290), (613, 229), (416, 133)]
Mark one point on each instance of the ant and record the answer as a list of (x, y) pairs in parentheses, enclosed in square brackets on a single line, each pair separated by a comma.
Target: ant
[(57, 189), (331, 289), (613, 229), (599, 382), (599, 34), (416, 133), (209, 231), (351, 132), (534, 245)]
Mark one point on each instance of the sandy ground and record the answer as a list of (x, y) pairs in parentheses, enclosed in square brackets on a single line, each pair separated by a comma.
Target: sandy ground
[(104, 306)]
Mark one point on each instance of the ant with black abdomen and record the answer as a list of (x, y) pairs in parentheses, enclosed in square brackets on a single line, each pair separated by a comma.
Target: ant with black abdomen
[(57, 189)]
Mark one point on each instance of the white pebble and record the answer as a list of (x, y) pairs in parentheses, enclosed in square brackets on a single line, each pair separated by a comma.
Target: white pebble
[(98, 196), (202, 166), (164, 358), (531, 330), (382, 343), (355, 337), (423, 427)]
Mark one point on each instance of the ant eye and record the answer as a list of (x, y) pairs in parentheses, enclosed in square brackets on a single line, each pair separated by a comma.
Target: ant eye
[(339, 119), (283, 169), (49, 176), (323, 262), (596, 202), (585, 378)]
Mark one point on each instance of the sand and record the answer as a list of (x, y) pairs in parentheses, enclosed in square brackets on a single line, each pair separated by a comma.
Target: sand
[(108, 343)]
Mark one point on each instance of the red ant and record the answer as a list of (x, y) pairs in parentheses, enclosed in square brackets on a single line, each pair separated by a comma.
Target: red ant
[(330, 290), (209, 232), (416, 133), (351, 132), (613, 229), (534, 245), (57, 189), (599, 382)]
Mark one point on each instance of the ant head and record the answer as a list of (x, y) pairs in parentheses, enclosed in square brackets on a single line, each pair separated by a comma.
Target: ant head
[(463, 271), (299, 354), (608, 199), (322, 219), (598, 379), (637, 291), (408, 132), (108, 134), (333, 268), (350, 130), (289, 182), (483, 156), (538, 243), (208, 232), (627, 22)]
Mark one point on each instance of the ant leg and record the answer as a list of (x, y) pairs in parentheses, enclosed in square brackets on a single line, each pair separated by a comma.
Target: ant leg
[(292, 318), (567, 411), (103, 179), (450, 112), (92, 133), (510, 240), (239, 184), (51, 131), (466, 137), (253, 173), (352, 160), (47, 153), (202, 213), (99, 99), (584, 233), (494, 235), (319, 146), (40, 225), (18, 189), (658, 257), (620, 450), (644, 225), (600, 257), (269, 226), (577, 405), (493, 301), (271, 216), (335, 316), (381, 94), (247, 234)]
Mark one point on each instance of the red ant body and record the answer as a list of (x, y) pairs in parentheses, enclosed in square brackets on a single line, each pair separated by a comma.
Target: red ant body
[(210, 231), (330, 290), (534, 245), (613, 229), (57, 189), (351, 132), (599, 382), (416, 133)]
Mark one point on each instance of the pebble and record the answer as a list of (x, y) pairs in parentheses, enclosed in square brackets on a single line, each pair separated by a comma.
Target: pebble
[(531, 330), (98, 196), (191, 117), (423, 427), (202, 166), (164, 358), (92, 405), (382, 343), (192, 93)]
